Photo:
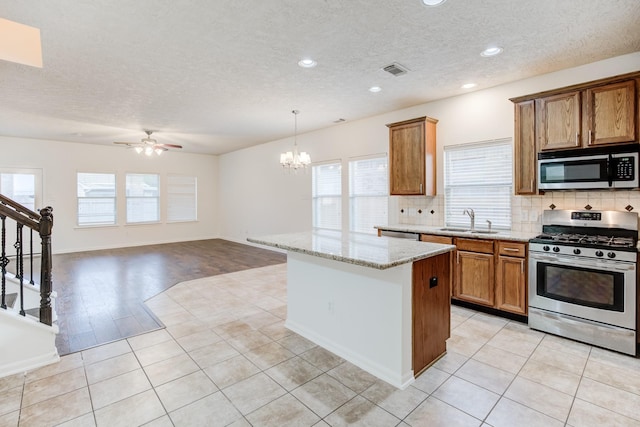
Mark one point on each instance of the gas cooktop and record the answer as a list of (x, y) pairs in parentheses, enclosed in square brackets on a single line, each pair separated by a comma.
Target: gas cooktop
[(612, 230), (587, 240)]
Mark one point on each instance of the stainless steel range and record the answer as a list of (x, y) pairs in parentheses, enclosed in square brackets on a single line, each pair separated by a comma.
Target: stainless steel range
[(582, 277)]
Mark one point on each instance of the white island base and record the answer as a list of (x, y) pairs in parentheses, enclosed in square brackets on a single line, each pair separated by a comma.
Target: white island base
[(358, 313)]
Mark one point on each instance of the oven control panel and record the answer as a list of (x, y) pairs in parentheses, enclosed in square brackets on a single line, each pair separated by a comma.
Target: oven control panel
[(586, 216), (605, 255)]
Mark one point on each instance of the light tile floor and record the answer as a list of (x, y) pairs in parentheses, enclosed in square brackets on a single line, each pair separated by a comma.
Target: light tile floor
[(225, 358)]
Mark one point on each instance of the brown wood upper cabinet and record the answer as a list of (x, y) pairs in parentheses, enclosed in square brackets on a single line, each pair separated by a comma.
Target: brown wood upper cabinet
[(610, 114), (525, 148), (558, 121), (412, 157), (591, 114), (592, 117)]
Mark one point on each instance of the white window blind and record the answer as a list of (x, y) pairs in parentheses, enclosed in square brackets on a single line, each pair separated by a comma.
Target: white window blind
[(368, 194), (478, 176), (96, 198), (143, 201), (181, 198), (326, 196)]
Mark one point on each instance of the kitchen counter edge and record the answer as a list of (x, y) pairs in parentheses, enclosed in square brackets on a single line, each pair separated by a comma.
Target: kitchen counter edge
[(516, 236), (400, 251)]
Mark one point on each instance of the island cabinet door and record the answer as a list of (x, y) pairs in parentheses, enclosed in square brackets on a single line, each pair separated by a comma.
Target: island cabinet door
[(431, 310)]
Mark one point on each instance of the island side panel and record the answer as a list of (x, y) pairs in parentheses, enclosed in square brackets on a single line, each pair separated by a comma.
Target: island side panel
[(361, 314), (431, 310)]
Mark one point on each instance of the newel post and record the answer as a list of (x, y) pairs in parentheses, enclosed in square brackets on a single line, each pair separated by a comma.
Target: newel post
[(46, 224)]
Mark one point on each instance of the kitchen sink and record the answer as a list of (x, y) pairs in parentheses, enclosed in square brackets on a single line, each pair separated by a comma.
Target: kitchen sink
[(466, 230)]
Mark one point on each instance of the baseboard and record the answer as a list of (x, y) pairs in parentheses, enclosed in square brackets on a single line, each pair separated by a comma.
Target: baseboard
[(359, 360), (29, 364)]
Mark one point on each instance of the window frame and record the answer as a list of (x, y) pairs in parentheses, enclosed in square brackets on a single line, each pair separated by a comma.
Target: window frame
[(354, 225), (194, 208), (129, 198), (499, 211), (315, 198), (114, 197)]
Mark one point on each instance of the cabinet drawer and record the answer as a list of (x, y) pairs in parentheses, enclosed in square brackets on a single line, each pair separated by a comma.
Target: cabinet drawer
[(474, 245), (515, 249), (432, 238)]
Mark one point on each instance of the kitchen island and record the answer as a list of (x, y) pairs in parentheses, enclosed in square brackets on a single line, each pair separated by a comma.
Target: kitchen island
[(381, 303)]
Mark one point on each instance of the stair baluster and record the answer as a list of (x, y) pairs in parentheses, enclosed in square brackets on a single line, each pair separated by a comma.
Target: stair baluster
[(31, 282), (42, 222), (20, 266), (3, 263)]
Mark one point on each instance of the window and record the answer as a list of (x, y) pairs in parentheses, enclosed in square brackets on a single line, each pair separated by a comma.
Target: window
[(96, 198), (22, 186), (326, 196), (368, 190), (478, 176), (181, 198), (143, 201)]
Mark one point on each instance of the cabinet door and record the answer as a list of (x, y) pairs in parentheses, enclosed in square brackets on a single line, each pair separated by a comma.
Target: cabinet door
[(475, 278), (407, 159), (610, 114), (431, 310), (558, 121), (511, 285), (525, 148)]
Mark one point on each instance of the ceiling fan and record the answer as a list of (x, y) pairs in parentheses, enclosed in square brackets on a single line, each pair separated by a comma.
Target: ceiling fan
[(148, 145)]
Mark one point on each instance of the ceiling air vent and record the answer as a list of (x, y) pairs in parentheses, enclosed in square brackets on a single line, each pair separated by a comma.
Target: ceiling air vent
[(396, 69)]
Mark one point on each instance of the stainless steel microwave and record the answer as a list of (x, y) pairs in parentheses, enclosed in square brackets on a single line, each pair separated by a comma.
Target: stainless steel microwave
[(613, 167)]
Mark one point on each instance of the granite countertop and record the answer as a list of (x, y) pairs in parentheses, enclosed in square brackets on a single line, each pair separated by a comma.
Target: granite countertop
[(354, 248), (423, 229)]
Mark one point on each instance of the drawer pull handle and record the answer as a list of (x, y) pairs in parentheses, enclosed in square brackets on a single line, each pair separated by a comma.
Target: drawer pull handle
[(511, 250)]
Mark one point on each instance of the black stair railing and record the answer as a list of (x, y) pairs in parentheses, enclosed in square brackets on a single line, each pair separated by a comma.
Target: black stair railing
[(42, 223)]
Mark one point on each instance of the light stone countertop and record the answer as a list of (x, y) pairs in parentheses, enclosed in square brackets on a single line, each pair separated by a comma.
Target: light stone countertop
[(354, 248), (423, 229)]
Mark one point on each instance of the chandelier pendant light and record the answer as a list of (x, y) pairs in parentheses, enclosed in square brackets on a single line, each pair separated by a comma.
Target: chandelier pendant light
[(294, 160)]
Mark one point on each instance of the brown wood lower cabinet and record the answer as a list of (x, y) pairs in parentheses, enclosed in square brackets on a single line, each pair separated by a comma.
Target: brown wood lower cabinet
[(490, 273), (431, 310), (474, 271), (511, 277)]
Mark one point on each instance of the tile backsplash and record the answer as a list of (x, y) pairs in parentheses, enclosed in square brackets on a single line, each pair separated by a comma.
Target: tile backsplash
[(526, 211)]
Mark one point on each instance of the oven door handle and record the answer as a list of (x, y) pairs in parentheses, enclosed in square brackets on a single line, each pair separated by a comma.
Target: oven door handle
[(602, 264)]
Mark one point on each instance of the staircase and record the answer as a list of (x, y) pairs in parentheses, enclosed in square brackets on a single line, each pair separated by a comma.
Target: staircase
[(27, 308)]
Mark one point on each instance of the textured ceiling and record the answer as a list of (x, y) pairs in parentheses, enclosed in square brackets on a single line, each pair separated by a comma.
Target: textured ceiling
[(217, 76)]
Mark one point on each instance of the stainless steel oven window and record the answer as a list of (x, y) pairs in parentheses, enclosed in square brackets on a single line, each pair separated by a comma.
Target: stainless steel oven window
[(583, 286)]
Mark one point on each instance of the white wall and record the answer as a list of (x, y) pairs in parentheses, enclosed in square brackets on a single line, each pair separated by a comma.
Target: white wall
[(60, 161), (255, 198)]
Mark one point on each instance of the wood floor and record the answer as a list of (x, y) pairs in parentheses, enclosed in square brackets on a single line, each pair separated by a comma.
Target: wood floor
[(101, 294)]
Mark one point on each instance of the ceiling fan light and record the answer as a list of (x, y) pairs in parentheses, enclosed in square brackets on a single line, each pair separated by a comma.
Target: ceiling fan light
[(148, 151), (158, 151), (139, 149)]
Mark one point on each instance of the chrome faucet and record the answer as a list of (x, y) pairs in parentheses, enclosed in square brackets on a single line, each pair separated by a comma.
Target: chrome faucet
[(472, 216)]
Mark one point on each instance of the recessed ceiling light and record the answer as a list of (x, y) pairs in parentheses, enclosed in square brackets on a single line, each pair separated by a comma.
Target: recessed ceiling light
[(491, 51), (307, 63), (468, 85), (375, 89), (432, 2)]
